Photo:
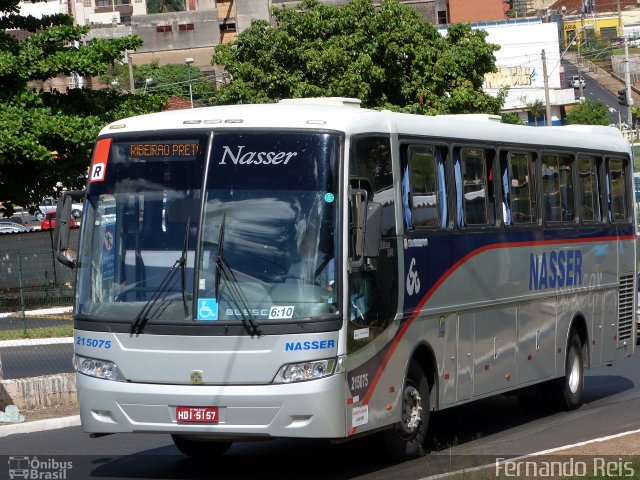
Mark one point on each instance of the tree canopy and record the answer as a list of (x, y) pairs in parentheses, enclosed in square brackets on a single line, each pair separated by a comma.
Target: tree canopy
[(46, 137), (589, 113), (171, 79), (386, 56)]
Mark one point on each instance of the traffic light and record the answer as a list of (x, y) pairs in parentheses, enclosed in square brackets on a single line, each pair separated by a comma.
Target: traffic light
[(622, 97)]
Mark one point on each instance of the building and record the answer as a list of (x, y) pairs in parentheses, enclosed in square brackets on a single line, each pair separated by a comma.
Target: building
[(520, 67), (475, 11)]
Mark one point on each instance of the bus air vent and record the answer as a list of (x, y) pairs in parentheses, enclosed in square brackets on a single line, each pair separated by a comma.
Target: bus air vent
[(625, 309)]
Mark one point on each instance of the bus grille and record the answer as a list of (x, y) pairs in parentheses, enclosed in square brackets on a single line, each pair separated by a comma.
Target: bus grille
[(625, 309)]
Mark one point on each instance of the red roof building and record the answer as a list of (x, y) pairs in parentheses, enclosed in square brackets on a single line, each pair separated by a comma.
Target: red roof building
[(475, 11)]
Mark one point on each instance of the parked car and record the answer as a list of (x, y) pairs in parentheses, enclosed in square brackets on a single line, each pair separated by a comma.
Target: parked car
[(48, 204), (577, 81), (12, 227), (620, 126), (25, 219), (49, 221)]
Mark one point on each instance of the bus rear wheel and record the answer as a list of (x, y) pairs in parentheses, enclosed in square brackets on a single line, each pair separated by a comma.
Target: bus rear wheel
[(567, 392), (406, 439), (193, 447)]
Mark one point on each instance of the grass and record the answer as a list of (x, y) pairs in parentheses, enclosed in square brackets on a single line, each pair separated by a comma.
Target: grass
[(40, 332)]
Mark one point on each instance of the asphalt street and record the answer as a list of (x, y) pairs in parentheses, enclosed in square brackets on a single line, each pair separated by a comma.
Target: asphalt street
[(36, 360), (34, 357)]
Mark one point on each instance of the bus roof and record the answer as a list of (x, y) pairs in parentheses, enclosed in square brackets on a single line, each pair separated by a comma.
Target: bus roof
[(345, 115)]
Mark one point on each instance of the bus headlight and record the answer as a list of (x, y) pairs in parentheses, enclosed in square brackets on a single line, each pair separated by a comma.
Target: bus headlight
[(301, 372), (98, 368)]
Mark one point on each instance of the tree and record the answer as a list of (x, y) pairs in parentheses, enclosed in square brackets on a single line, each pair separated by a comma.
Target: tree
[(537, 109), (172, 79), (512, 118), (589, 113), (384, 55), (164, 6), (47, 137)]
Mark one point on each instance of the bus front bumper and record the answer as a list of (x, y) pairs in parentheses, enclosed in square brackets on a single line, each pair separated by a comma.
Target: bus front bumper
[(312, 409)]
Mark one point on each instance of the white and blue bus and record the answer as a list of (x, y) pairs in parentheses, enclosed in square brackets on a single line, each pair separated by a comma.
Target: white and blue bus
[(315, 269)]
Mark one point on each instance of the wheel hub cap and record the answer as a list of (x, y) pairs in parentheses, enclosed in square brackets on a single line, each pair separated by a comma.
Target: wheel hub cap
[(411, 409)]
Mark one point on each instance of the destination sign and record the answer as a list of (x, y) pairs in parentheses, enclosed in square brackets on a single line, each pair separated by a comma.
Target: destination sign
[(163, 149)]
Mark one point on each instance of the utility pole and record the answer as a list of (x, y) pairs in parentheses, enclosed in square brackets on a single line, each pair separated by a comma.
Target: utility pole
[(620, 22), (546, 88), (130, 62), (627, 83), (580, 68)]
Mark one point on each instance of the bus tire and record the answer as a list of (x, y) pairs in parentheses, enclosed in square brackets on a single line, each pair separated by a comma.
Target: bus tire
[(406, 439), (199, 448), (568, 391)]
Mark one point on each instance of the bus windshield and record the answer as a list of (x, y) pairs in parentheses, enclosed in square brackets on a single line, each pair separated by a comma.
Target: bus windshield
[(265, 247), (268, 232)]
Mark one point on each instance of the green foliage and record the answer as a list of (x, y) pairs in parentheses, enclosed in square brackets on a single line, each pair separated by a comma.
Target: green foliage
[(34, 125), (165, 80), (589, 113), (537, 109), (164, 6), (386, 56), (512, 118)]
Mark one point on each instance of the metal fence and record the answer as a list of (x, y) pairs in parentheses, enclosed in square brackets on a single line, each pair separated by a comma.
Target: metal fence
[(30, 276), (32, 284)]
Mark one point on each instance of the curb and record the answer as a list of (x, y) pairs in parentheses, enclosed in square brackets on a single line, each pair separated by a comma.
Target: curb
[(30, 313), (39, 425), (39, 392)]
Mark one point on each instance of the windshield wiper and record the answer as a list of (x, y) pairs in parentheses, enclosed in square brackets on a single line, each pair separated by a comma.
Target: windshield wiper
[(144, 315), (218, 258), (236, 294), (183, 266)]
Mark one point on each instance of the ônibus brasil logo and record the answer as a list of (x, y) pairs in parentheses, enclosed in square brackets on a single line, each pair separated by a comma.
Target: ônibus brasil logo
[(34, 468)]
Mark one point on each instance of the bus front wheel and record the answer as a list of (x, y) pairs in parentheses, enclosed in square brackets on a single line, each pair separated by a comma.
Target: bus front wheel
[(406, 439), (199, 448)]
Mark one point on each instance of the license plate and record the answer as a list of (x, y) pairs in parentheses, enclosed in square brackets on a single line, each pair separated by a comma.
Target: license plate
[(197, 414)]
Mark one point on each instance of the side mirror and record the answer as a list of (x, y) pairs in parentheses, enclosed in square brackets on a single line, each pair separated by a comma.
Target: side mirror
[(373, 229), (64, 254), (366, 221)]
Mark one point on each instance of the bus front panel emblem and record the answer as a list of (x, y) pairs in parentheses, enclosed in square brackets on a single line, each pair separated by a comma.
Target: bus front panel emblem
[(196, 377)]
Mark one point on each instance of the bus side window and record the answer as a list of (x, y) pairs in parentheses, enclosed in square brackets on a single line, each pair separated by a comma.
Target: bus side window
[(588, 189), (424, 196), (519, 187), (371, 159), (557, 188), (473, 187), (617, 189)]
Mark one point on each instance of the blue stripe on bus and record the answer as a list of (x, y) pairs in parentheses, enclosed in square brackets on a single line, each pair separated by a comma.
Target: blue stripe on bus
[(455, 247)]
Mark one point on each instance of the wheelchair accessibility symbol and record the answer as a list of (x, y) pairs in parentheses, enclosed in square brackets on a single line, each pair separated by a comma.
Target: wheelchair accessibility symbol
[(207, 309)]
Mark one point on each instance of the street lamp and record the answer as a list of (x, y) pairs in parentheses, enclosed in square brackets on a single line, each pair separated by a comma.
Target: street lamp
[(613, 110), (189, 61)]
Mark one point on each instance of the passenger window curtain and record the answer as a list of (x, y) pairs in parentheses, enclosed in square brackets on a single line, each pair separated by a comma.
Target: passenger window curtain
[(442, 191), (459, 190), (406, 206), (506, 194)]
